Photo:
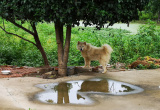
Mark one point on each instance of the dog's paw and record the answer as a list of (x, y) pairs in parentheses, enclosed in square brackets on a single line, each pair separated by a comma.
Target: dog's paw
[(104, 72), (90, 69), (86, 67)]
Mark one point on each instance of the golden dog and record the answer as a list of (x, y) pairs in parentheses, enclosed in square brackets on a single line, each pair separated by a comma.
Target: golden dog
[(90, 53)]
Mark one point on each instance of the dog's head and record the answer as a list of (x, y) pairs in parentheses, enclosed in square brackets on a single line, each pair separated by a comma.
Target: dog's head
[(81, 46)]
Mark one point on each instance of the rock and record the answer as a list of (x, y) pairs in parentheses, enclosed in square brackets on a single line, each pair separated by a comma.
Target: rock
[(44, 70), (49, 76), (54, 72), (71, 70), (81, 69), (49, 73), (122, 70)]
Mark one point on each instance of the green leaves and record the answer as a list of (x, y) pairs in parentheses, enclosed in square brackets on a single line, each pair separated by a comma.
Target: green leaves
[(72, 11)]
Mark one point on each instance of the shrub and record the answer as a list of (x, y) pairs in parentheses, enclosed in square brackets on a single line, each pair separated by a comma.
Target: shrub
[(127, 48), (147, 15)]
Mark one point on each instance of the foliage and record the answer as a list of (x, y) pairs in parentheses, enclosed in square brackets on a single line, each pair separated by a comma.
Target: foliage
[(13, 49), (69, 13), (153, 6), (151, 66), (17, 14), (127, 48), (140, 66), (97, 12), (152, 11), (143, 15)]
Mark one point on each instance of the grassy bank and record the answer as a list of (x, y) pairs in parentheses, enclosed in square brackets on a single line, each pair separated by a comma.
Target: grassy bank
[(127, 47)]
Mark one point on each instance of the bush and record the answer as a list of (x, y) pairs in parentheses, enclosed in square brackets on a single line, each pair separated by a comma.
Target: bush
[(127, 48), (147, 15)]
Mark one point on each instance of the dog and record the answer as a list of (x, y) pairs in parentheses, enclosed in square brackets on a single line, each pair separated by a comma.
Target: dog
[(92, 53)]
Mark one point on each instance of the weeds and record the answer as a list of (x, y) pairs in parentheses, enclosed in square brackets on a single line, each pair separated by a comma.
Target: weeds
[(127, 48)]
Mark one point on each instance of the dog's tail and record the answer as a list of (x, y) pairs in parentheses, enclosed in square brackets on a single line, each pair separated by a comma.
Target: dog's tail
[(107, 48)]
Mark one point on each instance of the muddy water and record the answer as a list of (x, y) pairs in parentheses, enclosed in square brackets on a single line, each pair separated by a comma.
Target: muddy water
[(76, 92)]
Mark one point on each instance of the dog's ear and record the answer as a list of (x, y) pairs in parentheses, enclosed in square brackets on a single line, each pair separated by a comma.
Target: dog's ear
[(78, 42), (84, 43)]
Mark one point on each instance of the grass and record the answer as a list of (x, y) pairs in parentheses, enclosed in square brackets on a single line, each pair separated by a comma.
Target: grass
[(127, 47)]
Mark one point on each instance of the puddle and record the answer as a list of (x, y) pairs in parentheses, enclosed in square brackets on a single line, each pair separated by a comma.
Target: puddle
[(76, 92)]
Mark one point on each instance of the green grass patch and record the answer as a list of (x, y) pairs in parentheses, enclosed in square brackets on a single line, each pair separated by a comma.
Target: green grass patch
[(127, 48)]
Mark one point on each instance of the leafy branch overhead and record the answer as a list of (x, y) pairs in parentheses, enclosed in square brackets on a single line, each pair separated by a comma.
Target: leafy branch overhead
[(96, 12)]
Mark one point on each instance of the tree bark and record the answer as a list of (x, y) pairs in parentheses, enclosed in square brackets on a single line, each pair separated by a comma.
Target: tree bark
[(67, 44), (59, 39), (62, 51), (39, 45)]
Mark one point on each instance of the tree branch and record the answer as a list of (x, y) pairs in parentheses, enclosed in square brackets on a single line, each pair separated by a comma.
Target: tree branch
[(17, 36), (34, 28), (30, 32), (38, 43)]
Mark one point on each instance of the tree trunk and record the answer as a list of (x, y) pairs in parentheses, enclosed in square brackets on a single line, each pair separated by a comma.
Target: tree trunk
[(62, 52), (39, 46), (67, 44)]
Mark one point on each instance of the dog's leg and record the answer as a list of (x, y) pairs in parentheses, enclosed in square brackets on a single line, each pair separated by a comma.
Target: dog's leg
[(87, 63), (103, 63)]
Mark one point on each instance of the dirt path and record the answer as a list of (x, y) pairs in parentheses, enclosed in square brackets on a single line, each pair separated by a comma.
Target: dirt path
[(16, 93)]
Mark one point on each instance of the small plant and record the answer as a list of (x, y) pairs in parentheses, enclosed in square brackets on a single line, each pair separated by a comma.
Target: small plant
[(49, 101), (153, 66), (140, 66), (31, 109), (142, 58)]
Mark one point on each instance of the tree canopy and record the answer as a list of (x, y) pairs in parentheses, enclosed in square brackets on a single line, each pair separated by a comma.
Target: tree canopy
[(69, 13), (154, 7), (96, 12)]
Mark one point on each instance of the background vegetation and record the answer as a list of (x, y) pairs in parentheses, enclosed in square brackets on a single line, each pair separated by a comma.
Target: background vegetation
[(151, 11), (148, 15), (127, 47)]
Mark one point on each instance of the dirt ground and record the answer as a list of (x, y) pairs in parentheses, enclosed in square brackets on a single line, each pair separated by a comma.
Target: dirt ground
[(17, 93)]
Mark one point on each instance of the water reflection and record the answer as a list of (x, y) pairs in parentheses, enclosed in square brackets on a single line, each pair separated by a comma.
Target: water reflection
[(96, 86), (75, 92), (63, 93), (63, 96)]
